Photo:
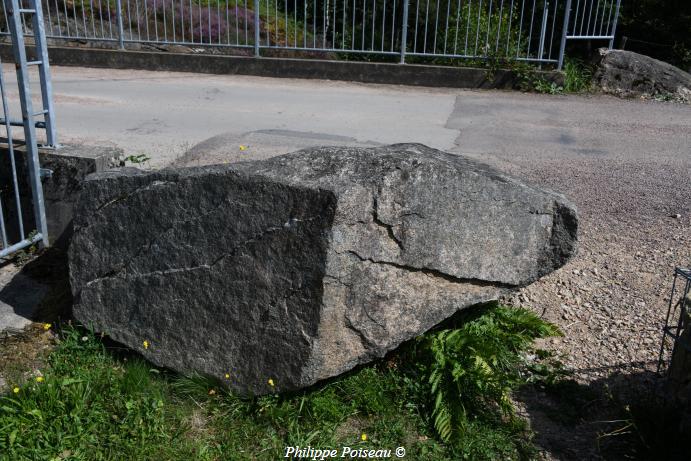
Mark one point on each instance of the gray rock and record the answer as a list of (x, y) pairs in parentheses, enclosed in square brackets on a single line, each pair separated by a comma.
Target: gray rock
[(629, 74), (300, 267)]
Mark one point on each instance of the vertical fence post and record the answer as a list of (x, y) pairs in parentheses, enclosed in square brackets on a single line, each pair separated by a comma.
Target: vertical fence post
[(118, 15), (614, 25), (44, 73), (257, 37), (564, 32), (14, 12), (404, 31), (543, 31)]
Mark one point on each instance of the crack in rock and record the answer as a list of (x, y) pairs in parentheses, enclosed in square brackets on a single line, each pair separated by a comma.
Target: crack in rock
[(387, 227), (434, 273)]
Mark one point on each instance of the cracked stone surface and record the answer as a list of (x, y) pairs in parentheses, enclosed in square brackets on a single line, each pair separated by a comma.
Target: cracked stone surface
[(302, 266)]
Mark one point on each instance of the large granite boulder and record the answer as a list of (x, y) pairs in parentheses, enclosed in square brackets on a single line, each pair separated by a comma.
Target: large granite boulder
[(629, 74), (300, 267)]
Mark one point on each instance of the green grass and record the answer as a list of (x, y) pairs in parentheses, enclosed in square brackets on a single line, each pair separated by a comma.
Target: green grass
[(98, 404), (577, 76)]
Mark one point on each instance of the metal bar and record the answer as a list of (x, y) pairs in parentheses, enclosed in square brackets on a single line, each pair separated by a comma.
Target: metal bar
[(83, 16), (393, 25), (590, 16), (565, 27), (100, 15), (477, 27), (614, 25), (424, 42), (67, 22), (417, 16), (50, 19), (609, 15), (489, 24), (38, 237), (520, 29), (364, 23), (446, 30), (404, 31), (3, 231), (19, 51), (589, 37), (256, 29), (543, 31), (472, 56), (467, 27), (383, 26), (44, 76), (275, 19), (551, 34), (436, 25), (374, 16), (575, 16), (501, 16), (530, 33), (304, 24), (597, 12), (458, 18), (508, 33), (10, 142)]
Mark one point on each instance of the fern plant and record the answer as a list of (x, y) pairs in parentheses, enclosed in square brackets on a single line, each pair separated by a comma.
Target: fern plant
[(473, 368)]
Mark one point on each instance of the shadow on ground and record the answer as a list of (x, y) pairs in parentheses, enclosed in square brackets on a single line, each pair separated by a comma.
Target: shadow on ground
[(40, 291), (622, 417)]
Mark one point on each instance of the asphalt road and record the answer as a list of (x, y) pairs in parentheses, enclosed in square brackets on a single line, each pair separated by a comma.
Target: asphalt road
[(167, 115)]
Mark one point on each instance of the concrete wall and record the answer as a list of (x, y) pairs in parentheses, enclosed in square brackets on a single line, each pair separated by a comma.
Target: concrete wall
[(366, 72)]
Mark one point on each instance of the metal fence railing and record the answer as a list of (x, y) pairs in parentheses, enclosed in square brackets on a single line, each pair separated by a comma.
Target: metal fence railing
[(22, 212), (531, 30), (589, 20)]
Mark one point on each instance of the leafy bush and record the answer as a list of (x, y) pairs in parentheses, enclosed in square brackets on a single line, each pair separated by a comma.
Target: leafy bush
[(493, 34), (473, 368)]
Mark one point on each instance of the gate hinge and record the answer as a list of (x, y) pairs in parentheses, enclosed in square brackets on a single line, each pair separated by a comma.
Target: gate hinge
[(46, 173)]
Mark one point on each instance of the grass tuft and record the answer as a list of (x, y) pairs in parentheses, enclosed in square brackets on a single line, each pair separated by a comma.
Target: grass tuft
[(95, 404)]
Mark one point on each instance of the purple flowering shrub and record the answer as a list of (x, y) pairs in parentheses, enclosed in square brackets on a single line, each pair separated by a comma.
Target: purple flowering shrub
[(194, 22)]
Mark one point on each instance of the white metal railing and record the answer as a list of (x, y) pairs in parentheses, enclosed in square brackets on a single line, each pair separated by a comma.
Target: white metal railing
[(530, 30)]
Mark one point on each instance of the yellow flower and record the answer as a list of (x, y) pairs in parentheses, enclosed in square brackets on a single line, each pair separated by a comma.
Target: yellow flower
[(363, 437), (242, 147), (39, 379), (15, 390), (227, 376), (46, 326), (271, 382), (146, 344)]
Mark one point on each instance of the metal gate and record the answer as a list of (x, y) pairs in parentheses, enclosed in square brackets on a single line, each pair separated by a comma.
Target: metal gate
[(589, 20), (20, 169)]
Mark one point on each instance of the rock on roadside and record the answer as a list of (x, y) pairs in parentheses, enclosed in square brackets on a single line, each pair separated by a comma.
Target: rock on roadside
[(629, 74), (300, 267)]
